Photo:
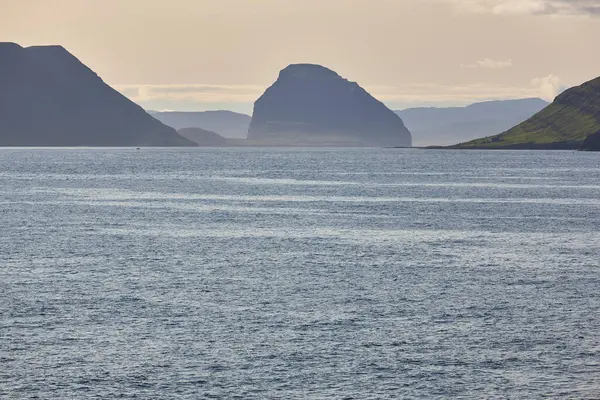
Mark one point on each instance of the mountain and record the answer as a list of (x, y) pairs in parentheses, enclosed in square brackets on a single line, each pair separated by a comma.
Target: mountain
[(312, 105), (444, 126), (203, 137), (49, 98), (226, 123), (565, 124)]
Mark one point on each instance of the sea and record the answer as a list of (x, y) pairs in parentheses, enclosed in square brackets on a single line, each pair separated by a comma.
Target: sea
[(249, 273)]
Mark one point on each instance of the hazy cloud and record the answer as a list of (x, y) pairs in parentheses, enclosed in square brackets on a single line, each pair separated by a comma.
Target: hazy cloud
[(488, 63), (193, 93), (532, 7), (241, 97), (547, 88)]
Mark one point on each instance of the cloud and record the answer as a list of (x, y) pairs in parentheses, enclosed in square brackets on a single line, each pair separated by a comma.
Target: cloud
[(192, 93), (196, 97), (547, 88), (528, 7), (488, 63)]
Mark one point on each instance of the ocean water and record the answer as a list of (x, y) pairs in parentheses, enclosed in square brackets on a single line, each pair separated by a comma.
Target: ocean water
[(299, 274)]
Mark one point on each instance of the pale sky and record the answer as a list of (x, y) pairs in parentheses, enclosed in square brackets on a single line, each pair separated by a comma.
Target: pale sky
[(222, 54)]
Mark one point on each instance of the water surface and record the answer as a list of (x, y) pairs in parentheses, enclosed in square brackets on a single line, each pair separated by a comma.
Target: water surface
[(317, 273)]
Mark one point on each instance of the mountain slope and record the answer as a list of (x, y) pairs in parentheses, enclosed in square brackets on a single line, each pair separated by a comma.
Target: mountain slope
[(202, 137), (310, 104), (566, 123), (226, 123), (445, 126), (49, 98)]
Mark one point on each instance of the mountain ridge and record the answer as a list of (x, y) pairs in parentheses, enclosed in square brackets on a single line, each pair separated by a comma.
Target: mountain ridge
[(450, 125), (228, 124), (566, 123), (203, 137), (50, 98)]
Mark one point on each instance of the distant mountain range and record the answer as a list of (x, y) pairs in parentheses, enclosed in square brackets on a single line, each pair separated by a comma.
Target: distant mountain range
[(570, 122), (445, 126), (312, 105), (428, 125), (226, 123), (202, 137), (49, 98)]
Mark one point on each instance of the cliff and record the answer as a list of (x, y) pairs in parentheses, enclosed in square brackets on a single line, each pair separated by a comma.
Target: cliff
[(310, 105), (49, 98), (591, 143)]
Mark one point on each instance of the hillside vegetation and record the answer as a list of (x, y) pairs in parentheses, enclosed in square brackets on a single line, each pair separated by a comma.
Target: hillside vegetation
[(566, 123)]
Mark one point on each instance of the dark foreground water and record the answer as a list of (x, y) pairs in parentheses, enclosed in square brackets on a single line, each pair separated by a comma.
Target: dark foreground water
[(299, 274)]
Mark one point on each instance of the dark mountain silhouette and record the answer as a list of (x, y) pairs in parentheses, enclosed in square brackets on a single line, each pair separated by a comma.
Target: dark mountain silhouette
[(49, 98), (591, 143), (310, 104), (444, 126), (202, 137), (226, 123), (565, 124)]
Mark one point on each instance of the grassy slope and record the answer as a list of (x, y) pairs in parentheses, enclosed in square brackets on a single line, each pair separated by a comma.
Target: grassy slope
[(573, 116)]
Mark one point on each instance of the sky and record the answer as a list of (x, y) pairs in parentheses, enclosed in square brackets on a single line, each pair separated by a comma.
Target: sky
[(195, 55)]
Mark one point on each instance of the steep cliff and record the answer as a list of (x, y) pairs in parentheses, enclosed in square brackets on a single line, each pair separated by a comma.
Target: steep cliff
[(591, 143), (310, 105)]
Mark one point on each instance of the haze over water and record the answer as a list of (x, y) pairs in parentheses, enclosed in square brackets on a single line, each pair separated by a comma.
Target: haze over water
[(317, 273)]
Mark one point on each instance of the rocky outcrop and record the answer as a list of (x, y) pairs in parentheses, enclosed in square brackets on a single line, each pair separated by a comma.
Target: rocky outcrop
[(203, 137), (228, 124), (565, 124), (49, 98), (311, 105)]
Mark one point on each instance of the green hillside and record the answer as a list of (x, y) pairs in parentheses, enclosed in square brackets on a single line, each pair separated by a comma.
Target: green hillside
[(566, 123)]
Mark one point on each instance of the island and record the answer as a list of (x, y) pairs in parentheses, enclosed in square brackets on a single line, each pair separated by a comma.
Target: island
[(312, 105)]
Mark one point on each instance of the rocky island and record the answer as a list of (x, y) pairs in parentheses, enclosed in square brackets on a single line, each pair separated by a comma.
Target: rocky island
[(312, 105), (49, 98)]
